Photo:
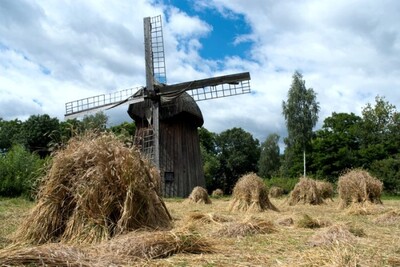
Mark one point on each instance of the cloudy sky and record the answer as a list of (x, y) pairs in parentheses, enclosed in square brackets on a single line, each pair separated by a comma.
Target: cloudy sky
[(348, 51)]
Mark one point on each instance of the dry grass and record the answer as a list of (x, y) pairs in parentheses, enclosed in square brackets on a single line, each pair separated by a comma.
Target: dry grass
[(305, 192), (250, 194), (95, 188), (358, 186), (199, 195), (374, 244), (246, 228), (335, 234)]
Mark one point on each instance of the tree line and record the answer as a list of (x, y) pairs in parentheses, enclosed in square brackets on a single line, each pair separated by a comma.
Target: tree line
[(345, 141)]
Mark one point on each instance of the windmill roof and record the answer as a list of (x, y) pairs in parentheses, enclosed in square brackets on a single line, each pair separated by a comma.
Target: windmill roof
[(180, 107)]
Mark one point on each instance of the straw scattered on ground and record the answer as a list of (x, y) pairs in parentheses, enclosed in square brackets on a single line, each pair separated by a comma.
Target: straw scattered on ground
[(95, 188), (250, 194), (338, 233), (305, 192), (358, 186), (246, 228)]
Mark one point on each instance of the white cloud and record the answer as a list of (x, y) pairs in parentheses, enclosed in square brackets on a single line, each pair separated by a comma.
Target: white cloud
[(52, 52)]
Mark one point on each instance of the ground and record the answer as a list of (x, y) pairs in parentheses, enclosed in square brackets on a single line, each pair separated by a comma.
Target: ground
[(375, 243)]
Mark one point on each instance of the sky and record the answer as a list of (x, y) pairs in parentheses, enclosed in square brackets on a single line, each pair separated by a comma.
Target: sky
[(348, 51)]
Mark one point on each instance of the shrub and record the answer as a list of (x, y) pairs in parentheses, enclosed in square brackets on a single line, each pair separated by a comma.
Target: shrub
[(19, 170), (287, 184)]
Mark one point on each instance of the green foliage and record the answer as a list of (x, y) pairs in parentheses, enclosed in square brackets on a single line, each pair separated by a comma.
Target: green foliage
[(301, 115), (38, 131), (388, 171), (336, 146), (19, 170), (238, 153), (287, 184), (211, 163), (11, 132), (269, 162), (96, 122)]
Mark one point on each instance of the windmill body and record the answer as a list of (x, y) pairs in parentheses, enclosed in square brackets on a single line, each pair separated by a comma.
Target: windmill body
[(166, 116)]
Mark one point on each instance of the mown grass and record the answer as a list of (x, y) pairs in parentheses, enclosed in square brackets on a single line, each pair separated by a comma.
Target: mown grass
[(375, 244)]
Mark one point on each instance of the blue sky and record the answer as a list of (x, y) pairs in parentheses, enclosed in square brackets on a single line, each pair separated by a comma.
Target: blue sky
[(52, 52)]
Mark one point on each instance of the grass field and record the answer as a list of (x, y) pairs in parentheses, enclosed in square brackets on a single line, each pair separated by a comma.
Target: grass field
[(375, 241)]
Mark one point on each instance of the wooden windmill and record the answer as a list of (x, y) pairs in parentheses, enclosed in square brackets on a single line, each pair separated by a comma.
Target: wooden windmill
[(166, 116)]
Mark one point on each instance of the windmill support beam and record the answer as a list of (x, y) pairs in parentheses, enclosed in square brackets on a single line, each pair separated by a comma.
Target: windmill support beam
[(150, 88)]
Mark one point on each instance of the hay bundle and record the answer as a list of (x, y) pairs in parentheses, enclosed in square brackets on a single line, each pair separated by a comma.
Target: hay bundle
[(389, 218), (358, 186), (199, 195), (96, 188), (217, 193), (276, 191), (325, 189), (207, 218), (246, 228), (305, 191), (120, 251), (250, 194), (337, 233)]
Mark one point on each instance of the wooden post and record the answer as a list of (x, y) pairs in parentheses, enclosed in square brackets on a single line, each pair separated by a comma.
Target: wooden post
[(150, 87)]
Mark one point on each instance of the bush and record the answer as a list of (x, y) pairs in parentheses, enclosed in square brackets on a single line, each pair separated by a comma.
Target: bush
[(287, 184), (388, 171), (19, 170)]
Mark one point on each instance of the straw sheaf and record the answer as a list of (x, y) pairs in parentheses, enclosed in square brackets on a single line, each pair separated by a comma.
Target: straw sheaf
[(306, 192), (250, 194), (199, 195), (337, 233), (246, 228), (217, 193), (127, 249), (96, 188), (325, 189), (358, 186), (276, 191)]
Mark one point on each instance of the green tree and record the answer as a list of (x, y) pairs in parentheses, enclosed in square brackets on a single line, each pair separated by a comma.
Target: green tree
[(39, 131), (388, 171), (11, 133), (238, 153), (211, 164), (96, 122), (301, 115), (336, 146), (269, 162)]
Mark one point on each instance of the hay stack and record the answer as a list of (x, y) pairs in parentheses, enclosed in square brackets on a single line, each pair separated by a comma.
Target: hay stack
[(217, 193), (358, 186), (199, 195), (305, 191), (250, 194), (276, 191), (95, 189), (325, 189)]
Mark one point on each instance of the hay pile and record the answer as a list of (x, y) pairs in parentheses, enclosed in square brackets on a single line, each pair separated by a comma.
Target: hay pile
[(358, 186), (207, 218), (250, 194), (217, 193), (128, 249), (248, 227), (389, 218), (95, 189), (337, 233), (325, 189), (306, 192), (276, 191), (199, 195)]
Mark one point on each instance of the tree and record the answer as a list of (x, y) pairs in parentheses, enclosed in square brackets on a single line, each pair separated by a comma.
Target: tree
[(211, 164), (269, 162), (238, 153), (336, 145), (11, 133), (39, 131), (301, 114), (96, 122)]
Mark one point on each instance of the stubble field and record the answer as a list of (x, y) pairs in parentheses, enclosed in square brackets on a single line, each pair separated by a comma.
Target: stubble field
[(301, 235)]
